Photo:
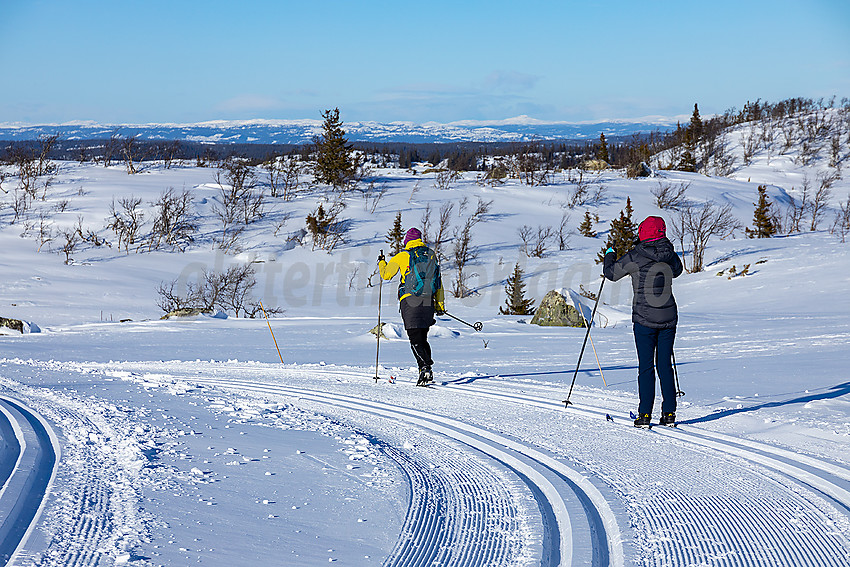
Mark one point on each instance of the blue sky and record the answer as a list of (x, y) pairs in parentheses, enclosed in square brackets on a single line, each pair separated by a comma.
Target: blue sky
[(130, 61)]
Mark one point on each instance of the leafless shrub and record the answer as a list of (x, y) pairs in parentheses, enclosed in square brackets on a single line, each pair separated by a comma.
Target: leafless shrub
[(749, 142), (835, 157), (126, 221), (326, 227), (564, 233), (443, 228), (425, 223), (444, 179), (668, 196), (414, 191), (44, 230), (283, 174), (372, 196), (240, 203), (584, 182), (132, 153), (820, 200), (174, 224), (808, 153), (526, 233), (531, 166), (463, 253), (841, 225), (535, 242), (169, 152), (722, 160), (697, 224), (111, 147), (70, 239), (228, 291), (481, 210), (88, 235), (34, 173)]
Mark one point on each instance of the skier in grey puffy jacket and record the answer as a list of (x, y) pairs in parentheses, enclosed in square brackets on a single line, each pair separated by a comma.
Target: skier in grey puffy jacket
[(652, 265)]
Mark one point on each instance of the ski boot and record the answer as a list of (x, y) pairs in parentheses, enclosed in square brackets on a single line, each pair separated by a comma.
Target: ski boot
[(668, 419), (425, 376), (644, 420)]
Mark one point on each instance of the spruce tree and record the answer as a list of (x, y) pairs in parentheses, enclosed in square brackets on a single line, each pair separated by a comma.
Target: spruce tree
[(688, 161), (602, 152), (622, 235), (335, 162), (586, 226), (696, 125), (765, 224), (516, 303), (395, 237)]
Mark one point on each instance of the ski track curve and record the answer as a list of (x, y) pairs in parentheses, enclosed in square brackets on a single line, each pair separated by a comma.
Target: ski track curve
[(579, 525), (763, 533), (802, 519), (29, 463)]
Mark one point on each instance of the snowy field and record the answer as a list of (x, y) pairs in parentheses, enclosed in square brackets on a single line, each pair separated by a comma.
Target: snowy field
[(187, 442)]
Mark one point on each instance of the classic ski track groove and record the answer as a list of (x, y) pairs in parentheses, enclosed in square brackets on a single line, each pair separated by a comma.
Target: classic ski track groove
[(824, 478), (27, 484), (552, 479), (813, 491)]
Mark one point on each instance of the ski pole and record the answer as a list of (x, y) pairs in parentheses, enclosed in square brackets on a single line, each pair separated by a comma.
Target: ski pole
[(378, 334), (584, 344), (477, 325), (272, 332), (679, 391)]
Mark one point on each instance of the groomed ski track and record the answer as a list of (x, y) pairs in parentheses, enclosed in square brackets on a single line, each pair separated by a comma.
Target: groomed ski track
[(28, 460), (579, 526), (755, 504)]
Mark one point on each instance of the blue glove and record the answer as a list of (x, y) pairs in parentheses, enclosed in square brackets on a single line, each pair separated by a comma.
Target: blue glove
[(609, 251)]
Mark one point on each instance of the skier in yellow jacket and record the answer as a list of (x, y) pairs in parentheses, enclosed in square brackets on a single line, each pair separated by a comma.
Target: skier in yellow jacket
[(420, 295)]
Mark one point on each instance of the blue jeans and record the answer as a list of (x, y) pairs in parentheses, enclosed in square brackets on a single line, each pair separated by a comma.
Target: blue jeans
[(655, 352)]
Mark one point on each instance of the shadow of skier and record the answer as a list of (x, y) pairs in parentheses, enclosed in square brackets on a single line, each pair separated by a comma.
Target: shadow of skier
[(832, 393)]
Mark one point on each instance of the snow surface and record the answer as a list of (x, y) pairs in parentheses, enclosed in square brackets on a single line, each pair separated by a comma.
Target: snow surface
[(187, 442)]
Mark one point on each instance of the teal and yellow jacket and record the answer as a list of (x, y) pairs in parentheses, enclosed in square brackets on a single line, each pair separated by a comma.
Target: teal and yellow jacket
[(401, 263)]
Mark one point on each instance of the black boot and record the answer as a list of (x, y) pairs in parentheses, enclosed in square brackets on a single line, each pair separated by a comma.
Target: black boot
[(668, 419), (425, 376), (643, 420)]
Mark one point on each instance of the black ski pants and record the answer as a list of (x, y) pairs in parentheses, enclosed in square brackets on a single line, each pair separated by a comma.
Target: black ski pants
[(655, 353), (420, 347)]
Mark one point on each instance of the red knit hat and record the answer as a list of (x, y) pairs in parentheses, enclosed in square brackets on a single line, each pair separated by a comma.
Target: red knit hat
[(652, 228)]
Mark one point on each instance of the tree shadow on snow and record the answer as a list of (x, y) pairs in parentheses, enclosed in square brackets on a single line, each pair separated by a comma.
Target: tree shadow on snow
[(831, 393)]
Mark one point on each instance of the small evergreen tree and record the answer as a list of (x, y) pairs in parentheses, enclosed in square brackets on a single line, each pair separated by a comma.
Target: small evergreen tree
[(763, 219), (516, 303), (688, 162), (622, 235), (696, 127), (602, 152), (335, 162), (586, 226), (395, 237)]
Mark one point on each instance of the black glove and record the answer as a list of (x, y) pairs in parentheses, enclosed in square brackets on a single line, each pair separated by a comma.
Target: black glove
[(381, 258)]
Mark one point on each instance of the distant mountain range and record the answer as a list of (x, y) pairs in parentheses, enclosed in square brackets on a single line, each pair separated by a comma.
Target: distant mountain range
[(517, 129)]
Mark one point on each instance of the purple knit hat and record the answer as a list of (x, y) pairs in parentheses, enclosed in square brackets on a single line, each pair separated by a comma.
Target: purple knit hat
[(412, 234)]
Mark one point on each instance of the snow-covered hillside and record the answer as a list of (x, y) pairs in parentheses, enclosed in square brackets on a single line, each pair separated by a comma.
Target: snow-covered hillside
[(521, 128), (186, 441)]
